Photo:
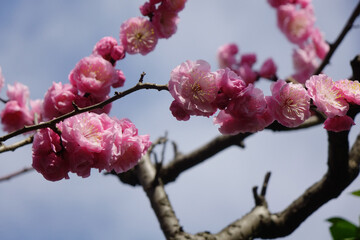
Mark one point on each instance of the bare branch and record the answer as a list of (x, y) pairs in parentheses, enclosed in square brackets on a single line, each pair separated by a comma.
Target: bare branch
[(335, 45), (15, 174), (51, 124), (13, 147)]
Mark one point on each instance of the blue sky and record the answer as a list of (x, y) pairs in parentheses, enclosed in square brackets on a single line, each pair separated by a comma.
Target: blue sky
[(41, 41)]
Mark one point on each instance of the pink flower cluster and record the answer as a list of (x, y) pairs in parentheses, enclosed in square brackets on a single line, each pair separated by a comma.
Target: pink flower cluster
[(243, 66), (90, 81), (140, 35), (19, 110), (88, 140), (244, 108), (295, 18)]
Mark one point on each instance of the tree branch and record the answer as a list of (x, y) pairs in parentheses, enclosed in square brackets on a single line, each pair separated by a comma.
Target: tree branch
[(15, 174), (335, 45), (51, 124), (13, 147)]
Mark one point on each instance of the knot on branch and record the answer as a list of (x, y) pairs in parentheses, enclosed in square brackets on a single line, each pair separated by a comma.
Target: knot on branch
[(260, 199)]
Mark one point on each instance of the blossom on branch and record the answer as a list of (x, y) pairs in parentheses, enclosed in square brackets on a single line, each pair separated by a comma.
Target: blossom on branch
[(194, 87), (88, 141), (93, 75), (108, 48), (289, 103), (339, 123), (138, 35), (350, 90), (326, 96)]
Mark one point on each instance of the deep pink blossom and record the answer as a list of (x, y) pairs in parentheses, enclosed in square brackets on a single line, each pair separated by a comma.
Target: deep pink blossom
[(326, 96), (289, 103), (174, 5), (296, 24), (128, 146), (278, 3), (194, 87), (321, 47), (178, 111), (165, 22), (226, 55), (58, 100), (268, 69), (350, 90), (339, 124), (14, 116), (47, 156), (138, 35), (93, 75)]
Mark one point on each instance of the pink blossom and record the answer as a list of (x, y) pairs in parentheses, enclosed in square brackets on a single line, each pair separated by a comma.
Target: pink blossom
[(248, 75), (147, 9), (230, 86), (339, 124), (232, 125), (19, 93), (58, 100), (87, 139), (289, 103), (165, 22), (14, 116), (321, 47), (305, 63), (248, 112), (296, 24), (93, 75), (268, 69), (248, 59), (108, 48), (350, 90), (194, 87), (120, 79), (2, 79), (128, 146), (226, 55), (327, 98), (138, 35), (47, 157)]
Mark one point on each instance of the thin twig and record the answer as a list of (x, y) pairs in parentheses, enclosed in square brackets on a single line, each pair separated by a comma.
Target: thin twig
[(53, 122), (13, 147), (335, 45), (15, 174)]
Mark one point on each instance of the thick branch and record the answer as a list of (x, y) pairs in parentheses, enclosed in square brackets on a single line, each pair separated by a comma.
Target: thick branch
[(335, 45), (51, 124), (159, 200), (180, 164)]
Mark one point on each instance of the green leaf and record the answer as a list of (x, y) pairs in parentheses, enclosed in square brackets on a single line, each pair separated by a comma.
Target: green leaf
[(342, 229), (356, 193)]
